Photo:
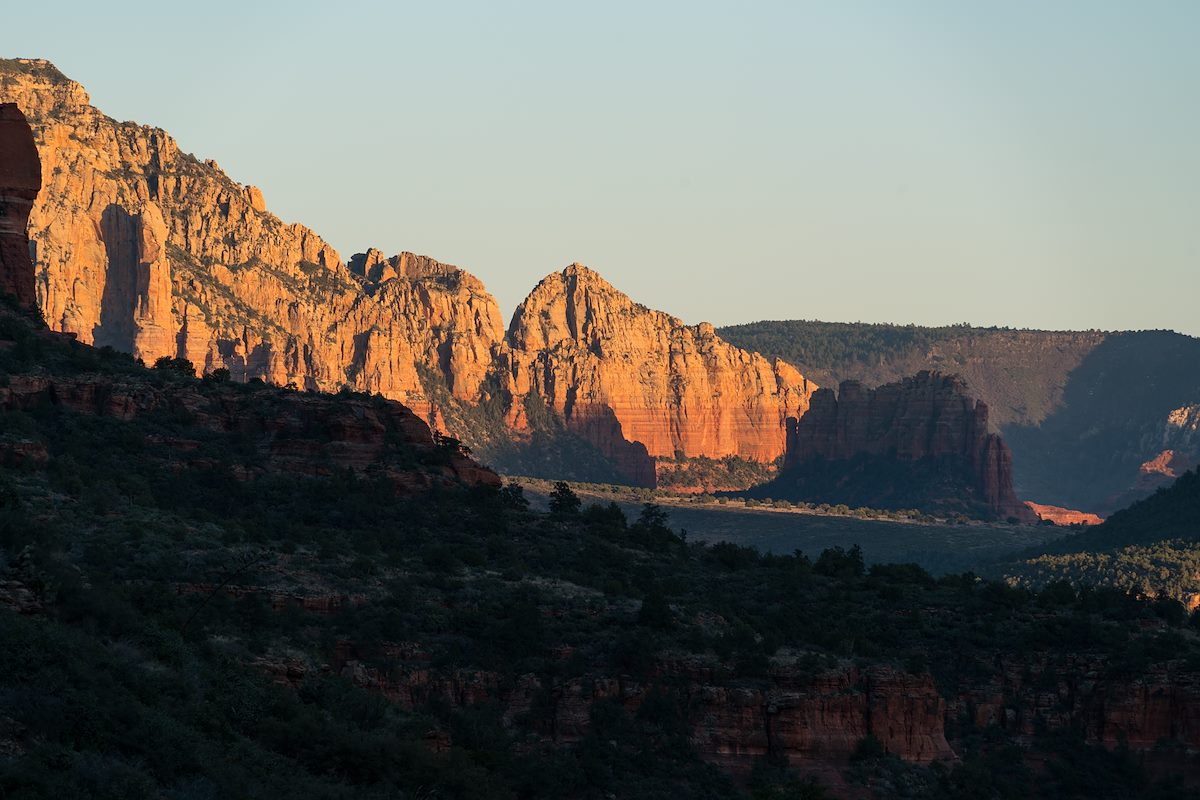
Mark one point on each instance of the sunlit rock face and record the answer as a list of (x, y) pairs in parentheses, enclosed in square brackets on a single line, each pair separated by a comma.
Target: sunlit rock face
[(627, 373), (146, 248), (150, 250)]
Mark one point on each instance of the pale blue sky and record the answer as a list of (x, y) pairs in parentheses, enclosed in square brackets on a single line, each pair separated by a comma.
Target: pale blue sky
[(1013, 163)]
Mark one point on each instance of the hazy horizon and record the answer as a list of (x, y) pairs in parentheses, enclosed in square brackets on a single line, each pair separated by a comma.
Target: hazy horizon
[(1010, 165)]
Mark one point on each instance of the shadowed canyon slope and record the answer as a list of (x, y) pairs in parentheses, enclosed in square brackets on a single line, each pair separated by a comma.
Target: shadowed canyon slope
[(149, 250), (1089, 415), (923, 442)]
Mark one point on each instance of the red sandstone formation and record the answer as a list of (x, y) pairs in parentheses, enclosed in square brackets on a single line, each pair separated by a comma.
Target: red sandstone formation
[(1162, 470), (20, 180), (1162, 705), (145, 248), (927, 419), (1064, 516), (815, 722), (621, 374)]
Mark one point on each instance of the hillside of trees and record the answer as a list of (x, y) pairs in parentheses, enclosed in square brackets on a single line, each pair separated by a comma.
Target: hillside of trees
[(178, 623)]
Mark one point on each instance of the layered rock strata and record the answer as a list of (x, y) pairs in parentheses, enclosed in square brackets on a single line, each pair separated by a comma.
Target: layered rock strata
[(805, 719), (145, 248), (900, 445), (150, 250), (814, 722), (1064, 516)]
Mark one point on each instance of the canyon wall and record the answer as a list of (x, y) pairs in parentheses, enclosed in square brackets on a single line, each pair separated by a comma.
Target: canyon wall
[(815, 722), (282, 432), (922, 442), (606, 363), (149, 250), (1081, 410)]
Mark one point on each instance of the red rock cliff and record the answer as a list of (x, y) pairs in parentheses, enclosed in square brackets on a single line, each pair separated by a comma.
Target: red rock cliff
[(623, 373), (148, 249), (292, 433), (145, 248), (928, 418)]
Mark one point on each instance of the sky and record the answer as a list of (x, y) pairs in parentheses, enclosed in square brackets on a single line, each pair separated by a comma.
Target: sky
[(1023, 164)]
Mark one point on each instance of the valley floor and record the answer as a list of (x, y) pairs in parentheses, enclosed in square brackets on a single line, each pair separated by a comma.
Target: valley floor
[(940, 547)]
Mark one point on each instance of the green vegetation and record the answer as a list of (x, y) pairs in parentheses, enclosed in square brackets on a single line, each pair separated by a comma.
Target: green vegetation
[(195, 627), (829, 351), (1170, 568), (714, 474), (1151, 549)]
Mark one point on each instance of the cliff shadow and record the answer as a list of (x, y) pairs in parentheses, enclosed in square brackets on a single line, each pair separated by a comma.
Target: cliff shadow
[(118, 303), (1111, 420)]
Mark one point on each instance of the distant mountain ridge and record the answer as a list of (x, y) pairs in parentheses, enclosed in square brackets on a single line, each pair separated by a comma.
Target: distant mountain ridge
[(1087, 414)]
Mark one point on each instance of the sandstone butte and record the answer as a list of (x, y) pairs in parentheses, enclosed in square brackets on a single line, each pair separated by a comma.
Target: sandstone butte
[(928, 418), (149, 250)]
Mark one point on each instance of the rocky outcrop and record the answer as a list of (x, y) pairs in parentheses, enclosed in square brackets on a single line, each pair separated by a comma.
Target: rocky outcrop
[(809, 721), (621, 373), (1156, 473), (20, 180), (922, 442), (815, 722), (1063, 516), (150, 250), (1162, 470), (146, 248), (1026, 695)]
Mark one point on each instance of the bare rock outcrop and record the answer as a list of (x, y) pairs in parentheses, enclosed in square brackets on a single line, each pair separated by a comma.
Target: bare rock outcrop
[(922, 442), (622, 373), (150, 250), (146, 248), (1064, 516)]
